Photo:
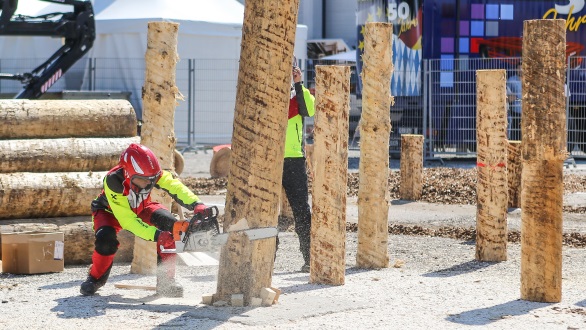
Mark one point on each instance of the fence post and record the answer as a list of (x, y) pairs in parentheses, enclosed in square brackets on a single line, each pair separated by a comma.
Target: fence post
[(425, 111), (90, 73), (189, 101)]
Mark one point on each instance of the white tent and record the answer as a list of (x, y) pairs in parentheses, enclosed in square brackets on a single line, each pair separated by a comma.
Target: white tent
[(209, 36), (345, 56)]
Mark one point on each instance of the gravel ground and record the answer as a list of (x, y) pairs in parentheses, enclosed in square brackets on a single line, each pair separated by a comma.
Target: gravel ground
[(438, 285)]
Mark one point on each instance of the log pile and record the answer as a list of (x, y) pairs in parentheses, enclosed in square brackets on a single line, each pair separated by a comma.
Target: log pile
[(53, 158)]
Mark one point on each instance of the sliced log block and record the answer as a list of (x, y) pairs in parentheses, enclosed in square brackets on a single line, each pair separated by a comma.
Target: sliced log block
[(78, 233), (31, 119), (42, 195), (62, 155)]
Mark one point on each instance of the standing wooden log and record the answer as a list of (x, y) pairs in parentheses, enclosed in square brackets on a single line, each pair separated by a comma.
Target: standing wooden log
[(78, 233), (492, 185), (285, 210), (45, 195), (159, 97), (62, 155), (43, 119), (514, 169), (543, 123), (260, 120), (375, 129), (411, 167), (328, 225)]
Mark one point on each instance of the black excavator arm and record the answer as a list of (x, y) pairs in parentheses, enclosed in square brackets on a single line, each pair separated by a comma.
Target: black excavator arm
[(77, 28)]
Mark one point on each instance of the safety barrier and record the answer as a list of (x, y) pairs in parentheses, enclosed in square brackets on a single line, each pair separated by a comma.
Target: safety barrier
[(437, 99)]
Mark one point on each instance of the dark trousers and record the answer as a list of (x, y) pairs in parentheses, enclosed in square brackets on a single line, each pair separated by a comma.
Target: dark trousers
[(295, 185)]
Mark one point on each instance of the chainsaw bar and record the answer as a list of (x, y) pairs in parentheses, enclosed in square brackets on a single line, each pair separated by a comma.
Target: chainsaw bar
[(203, 234)]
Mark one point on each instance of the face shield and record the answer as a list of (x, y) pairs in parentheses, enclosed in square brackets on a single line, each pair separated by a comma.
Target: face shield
[(141, 184)]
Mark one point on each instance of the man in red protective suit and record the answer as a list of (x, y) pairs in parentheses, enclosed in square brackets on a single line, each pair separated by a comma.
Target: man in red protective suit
[(125, 203)]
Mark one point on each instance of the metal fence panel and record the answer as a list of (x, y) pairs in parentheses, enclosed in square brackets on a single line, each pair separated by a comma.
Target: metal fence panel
[(445, 112), (406, 114), (452, 100), (576, 107)]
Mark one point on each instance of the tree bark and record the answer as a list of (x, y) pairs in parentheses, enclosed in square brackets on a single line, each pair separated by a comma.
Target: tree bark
[(43, 119), (328, 226), (254, 182), (543, 127), (159, 97), (45, 195), (375, 129), (492, 185), (514, 169), (79, 237), (62, 155), (411, 167)]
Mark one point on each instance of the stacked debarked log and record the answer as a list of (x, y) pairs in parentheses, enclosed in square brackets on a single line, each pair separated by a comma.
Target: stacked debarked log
[(53, 157)]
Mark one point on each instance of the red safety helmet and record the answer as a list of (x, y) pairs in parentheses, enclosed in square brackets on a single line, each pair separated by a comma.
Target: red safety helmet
[(139, 161)]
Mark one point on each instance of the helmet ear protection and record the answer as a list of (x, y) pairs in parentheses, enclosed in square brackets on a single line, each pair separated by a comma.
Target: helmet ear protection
[(139, 161)]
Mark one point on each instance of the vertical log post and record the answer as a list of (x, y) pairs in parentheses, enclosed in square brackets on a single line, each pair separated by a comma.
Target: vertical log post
[(514, 168), (543, 127), (492, 185), (258, 146), (159, 97), (328, 228), (285, 210), (411, 167), (375, 129)]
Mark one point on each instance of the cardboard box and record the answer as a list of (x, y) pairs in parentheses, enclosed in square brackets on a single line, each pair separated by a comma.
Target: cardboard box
[(32, 252)]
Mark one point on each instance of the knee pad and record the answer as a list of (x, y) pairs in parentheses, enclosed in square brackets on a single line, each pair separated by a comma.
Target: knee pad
[(106, 241), (163, 219)]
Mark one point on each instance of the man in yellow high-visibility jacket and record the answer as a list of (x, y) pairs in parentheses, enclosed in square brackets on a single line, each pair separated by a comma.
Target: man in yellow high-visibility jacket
[(301, 105)]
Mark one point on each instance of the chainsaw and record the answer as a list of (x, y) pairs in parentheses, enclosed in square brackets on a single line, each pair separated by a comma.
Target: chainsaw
[(202, 233)]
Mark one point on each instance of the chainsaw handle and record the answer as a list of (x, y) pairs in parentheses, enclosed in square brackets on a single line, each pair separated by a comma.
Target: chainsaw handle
[(210, 212)]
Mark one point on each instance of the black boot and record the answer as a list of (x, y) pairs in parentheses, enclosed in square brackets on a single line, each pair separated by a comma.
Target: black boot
[(91, 285)]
